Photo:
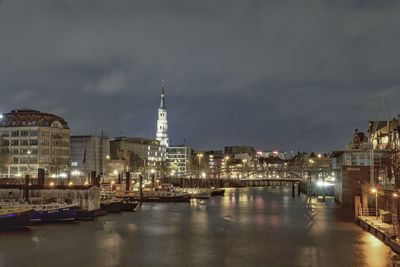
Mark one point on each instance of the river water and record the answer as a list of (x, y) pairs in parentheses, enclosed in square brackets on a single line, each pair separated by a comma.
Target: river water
[(247, 227)]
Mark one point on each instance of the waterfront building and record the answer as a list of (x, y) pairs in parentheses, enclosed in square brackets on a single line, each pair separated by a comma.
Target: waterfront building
[(31, 139), (233, 150), (162, 121), (275, 153), (139, 153), (385, 134), (179, 160), (89, 153), (353, 166), (209, 163)]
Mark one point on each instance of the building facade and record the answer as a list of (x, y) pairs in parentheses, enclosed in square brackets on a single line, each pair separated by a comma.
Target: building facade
[(30, 140), (89, 153), (162, 122), (179, 160), (139, 153)]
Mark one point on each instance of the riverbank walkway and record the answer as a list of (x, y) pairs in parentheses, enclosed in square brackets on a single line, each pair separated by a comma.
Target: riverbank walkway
[(384, 231)]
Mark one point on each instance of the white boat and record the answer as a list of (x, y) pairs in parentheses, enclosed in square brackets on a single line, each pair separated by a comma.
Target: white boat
[(196, 193)]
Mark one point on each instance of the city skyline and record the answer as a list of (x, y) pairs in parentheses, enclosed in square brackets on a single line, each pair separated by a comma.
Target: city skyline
[(100, 68)]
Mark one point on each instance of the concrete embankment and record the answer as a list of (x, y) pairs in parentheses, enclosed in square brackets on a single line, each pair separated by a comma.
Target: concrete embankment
[(380, 231)]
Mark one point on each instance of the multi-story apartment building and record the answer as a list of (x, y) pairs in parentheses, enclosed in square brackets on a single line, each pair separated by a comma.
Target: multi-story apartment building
[(30, 140), (89, 153)]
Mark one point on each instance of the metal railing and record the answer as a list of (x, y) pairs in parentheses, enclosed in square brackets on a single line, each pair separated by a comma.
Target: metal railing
[(365, 212)]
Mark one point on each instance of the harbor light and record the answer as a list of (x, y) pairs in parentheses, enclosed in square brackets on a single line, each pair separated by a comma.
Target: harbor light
[(374, 191), (395, 195), (86, 183), (52, 184), (63, 175), (70, 184), (203, 175), (324, 184)]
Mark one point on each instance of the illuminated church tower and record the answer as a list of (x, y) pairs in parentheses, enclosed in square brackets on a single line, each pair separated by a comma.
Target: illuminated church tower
[(162, 121)]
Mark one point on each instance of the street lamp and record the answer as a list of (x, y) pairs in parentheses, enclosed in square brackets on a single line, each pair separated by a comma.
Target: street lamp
[(375, 191), (29, 159), (200, 156)]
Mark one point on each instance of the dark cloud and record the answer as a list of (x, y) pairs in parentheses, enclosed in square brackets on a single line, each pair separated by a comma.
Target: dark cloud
[(238, 72)]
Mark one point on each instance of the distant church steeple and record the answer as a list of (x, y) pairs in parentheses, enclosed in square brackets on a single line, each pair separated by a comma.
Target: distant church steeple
[(162, 105), (162, 121)]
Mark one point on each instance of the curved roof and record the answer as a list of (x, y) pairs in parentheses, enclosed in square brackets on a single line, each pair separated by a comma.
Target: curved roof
[(30, 117)]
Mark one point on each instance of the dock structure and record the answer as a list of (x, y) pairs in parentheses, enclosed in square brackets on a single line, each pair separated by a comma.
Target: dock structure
[(88, 197)]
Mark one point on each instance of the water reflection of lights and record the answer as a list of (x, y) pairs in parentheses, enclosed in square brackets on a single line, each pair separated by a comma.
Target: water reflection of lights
[(111, 246), (372, 246)]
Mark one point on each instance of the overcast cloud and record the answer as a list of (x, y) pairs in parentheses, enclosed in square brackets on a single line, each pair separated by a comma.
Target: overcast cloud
[(238, 72)]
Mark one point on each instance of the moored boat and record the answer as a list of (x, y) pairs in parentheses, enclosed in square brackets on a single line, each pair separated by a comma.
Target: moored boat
[(217, 192), (45, 210), (14, 218), (128, 204), (161, 196), (195, 193), (54, 212), (110, 204), (86, 215), (200, 195)]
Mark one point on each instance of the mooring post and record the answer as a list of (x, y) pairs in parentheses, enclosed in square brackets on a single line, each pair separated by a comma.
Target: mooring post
[(140, 189), (26, 187), (292, 189), (128, 182)]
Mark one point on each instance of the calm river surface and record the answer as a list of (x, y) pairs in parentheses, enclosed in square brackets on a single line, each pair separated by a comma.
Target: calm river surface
[(247, 227)]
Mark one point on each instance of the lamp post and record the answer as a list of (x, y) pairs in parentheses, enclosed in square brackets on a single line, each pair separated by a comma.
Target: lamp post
[(375, 191), (395, 196), (200, 156), (153, 172), (29, 160)]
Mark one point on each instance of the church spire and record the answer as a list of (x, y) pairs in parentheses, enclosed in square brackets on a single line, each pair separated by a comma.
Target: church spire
[(162, 104), (162, 121)]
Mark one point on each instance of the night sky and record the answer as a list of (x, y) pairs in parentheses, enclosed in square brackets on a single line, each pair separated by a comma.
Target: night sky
[(237, 72)]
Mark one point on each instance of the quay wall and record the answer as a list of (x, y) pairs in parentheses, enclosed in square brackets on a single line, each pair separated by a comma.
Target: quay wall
[(390, 241)]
